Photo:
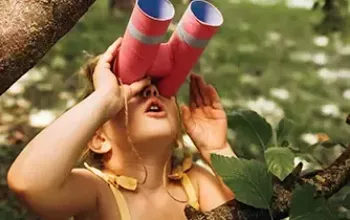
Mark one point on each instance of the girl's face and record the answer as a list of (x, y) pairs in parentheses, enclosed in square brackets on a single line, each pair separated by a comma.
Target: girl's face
[(150, 117)]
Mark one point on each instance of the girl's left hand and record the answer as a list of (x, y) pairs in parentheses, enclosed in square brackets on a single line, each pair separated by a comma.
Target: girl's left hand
[(205, 119)]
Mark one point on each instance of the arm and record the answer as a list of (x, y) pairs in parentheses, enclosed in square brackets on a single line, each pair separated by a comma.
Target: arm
[(225, 151), (206, 123), (210, 192), (42, 174)]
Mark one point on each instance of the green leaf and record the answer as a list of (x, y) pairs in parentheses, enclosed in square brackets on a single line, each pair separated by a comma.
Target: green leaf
[(280, 161), (305, 207), (249, 179), (284, 128), (347, 202), (250, 128)]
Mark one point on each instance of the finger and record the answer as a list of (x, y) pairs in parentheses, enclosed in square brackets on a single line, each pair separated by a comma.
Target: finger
[(136, 87), (197, 97), (214, 96), (186, 113), (202, 87), (111, 51)]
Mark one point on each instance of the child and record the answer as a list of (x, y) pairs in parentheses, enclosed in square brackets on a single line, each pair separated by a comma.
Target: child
[(132, 145)]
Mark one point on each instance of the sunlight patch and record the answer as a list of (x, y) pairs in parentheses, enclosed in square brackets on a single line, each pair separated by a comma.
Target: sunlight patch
[(321, 41), (309, 138), (330, 110), (41, 118), (279, 93), (267, 109), (320, 58), (346, 94), (308, 4)]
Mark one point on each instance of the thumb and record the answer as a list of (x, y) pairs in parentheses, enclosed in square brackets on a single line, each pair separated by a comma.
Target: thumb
[(136, 87)]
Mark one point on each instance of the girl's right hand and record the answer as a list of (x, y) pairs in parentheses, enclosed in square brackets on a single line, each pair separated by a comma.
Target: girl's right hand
[(106, 83)]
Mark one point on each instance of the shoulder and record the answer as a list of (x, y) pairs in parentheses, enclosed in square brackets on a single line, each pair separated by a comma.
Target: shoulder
[(106, 206), (90, 179), (207, 186), (198, 174)]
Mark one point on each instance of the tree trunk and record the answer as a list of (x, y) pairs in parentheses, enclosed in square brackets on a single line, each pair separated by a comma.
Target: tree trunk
[(28, 29)]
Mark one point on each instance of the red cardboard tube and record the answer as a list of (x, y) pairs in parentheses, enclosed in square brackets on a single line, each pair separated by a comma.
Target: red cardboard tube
[(197, 26), (146, 29)]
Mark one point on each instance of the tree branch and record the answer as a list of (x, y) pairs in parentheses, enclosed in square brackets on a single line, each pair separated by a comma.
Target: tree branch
[(28, 29)]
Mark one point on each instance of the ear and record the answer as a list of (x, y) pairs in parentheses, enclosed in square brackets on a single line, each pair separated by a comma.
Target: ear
[(99, 143)]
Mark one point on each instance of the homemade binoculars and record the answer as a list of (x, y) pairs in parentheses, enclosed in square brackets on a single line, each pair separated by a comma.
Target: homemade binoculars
[(143, 52)]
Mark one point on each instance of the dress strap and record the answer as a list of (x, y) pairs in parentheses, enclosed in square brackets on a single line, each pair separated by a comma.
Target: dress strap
[(121, 203), (190, 191), (114, 182)]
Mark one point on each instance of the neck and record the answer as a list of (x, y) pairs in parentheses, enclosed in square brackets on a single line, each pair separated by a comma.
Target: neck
[(147, 164)]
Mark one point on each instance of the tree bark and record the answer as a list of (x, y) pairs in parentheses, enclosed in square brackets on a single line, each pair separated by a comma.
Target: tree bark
[(28, 29)]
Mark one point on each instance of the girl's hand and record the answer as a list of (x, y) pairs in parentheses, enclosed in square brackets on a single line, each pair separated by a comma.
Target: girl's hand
[(107, 84), (205, 119)]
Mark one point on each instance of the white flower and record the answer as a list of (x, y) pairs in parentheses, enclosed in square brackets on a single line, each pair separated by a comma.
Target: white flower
[(321, 41), (300, 4), (309, 138), (326, 74), (267, 109), (346, 94), (280, 93), (333, 75), (41, 118), (273, 36), (320, 58), (330, 110)]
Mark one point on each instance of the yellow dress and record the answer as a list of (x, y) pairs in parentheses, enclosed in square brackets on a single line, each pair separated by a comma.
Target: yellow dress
[(128, 183)]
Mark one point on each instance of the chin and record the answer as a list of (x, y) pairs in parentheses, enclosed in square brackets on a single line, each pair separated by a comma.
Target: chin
[(154, 131)]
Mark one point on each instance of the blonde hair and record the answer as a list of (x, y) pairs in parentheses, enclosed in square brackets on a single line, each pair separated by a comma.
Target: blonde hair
[(180, 152)]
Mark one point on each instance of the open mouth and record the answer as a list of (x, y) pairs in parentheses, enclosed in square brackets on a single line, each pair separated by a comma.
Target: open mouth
[(155, 108)]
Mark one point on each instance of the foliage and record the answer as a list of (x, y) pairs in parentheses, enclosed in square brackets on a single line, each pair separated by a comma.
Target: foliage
[(305, 207), (251, 180), (280, 161), (266, 57), (250, 177)]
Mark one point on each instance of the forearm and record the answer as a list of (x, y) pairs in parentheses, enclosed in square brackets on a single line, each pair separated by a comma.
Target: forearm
[(49, 158), (228, 152)]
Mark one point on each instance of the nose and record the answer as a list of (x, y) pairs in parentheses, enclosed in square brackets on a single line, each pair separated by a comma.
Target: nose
[(149, 91)]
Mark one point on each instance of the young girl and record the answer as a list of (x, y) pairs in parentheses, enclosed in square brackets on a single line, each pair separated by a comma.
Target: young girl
[(133, 144)]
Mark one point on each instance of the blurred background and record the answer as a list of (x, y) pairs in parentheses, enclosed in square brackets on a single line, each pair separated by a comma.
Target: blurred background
[(280, 58)]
